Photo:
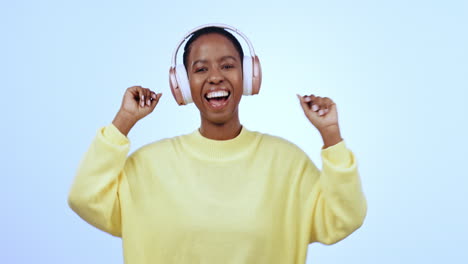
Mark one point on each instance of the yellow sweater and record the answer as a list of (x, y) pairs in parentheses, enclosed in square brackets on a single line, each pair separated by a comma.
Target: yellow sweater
[(250, 200)]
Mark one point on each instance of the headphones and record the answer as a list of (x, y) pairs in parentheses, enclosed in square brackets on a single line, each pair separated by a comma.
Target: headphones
[(178, 79)]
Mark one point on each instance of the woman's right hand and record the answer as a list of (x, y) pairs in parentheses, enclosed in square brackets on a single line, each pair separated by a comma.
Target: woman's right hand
[(137, 103)]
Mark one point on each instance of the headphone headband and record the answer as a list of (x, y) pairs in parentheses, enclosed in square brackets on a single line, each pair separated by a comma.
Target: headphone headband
[(218, 25)]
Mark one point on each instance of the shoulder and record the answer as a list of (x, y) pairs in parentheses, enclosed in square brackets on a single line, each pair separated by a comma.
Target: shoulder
[(277, 143), (281, 152), (156, 148)]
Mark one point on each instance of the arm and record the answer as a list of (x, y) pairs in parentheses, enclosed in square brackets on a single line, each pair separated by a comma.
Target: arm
[(335, 194), (94, 195), (335, 205), (94, 192)]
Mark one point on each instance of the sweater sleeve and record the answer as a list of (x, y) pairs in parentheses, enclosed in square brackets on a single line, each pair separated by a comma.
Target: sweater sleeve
[(335, 196), (94, 193)]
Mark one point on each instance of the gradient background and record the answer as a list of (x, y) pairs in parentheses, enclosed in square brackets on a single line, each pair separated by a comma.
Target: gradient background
[(397, 70)]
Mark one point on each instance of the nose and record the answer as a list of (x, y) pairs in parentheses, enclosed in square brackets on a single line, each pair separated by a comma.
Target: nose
[(216, 76)]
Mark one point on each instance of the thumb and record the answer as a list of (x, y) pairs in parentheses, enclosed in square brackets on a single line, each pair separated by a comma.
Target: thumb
[(155, 100)]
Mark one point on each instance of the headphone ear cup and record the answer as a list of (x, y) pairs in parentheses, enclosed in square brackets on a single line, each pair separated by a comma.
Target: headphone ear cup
[(257, 75), (252, 75), (184, 85), (175, 89), (247, 72)]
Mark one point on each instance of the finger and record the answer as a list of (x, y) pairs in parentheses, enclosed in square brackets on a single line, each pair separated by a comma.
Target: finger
[(304, 104), (326, 109), (309, 99), (147, 97), (315, 107), (327, 101), (330, 105), (153, 96), (327, 104), (316, 104), (141, 96), (154, 102), (324, 105), (133, 90), (150, 97), (158, 96)]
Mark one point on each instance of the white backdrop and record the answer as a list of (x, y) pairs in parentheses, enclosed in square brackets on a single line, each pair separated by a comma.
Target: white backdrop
[(397, 70)]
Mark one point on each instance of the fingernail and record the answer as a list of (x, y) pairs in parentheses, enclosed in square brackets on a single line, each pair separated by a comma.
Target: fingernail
[(153, 95), (307, 99), (315, 108), (148, 102)]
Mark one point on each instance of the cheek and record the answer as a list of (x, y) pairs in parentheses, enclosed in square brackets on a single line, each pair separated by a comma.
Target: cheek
[(236, 77), (195, 85)]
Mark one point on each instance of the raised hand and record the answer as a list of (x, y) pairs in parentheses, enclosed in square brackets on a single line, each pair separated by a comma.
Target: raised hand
[(322, 113), (137, 103)]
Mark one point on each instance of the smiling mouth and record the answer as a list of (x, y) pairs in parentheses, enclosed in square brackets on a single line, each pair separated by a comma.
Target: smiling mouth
[(217, 99)]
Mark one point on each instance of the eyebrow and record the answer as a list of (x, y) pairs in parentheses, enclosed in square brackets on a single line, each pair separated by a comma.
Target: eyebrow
[(221, 59)]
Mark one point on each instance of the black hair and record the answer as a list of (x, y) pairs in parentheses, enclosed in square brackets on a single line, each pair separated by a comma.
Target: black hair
[(211, 30)]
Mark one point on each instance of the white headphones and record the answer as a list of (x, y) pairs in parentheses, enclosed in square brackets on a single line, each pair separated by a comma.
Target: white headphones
[(179, 82)]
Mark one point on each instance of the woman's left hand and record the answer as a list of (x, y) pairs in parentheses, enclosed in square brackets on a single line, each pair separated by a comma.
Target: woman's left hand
[(322, 113)]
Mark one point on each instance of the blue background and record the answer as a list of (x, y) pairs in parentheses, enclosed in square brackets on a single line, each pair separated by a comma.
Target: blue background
[(397, 70)]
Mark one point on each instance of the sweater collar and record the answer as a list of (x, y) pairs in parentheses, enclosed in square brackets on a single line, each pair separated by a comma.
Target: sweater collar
[(222, 150)]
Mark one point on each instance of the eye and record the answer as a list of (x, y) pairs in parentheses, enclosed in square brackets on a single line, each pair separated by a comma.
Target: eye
[(201, 69), (228, 66)]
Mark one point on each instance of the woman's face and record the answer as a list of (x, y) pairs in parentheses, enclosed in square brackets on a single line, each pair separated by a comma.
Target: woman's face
[(215, 75)]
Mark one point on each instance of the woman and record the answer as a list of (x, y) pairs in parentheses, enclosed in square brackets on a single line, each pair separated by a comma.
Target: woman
[(222, 194)]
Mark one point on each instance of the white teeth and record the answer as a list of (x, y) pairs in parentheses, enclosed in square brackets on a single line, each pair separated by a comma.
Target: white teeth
[(217, 94)]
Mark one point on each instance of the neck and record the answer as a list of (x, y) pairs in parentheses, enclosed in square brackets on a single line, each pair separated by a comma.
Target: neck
[(224, 131)]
